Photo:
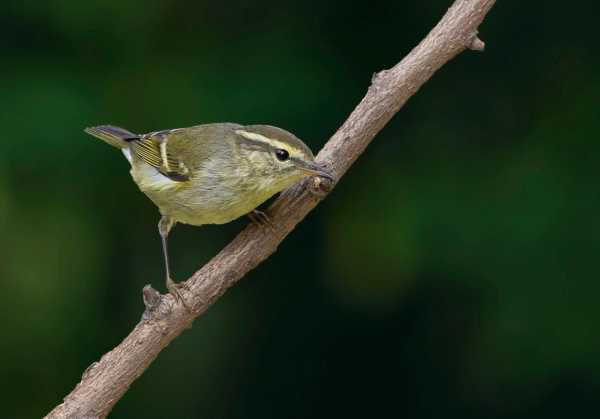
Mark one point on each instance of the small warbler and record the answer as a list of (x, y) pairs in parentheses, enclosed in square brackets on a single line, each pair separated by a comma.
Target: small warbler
[(212, 173)]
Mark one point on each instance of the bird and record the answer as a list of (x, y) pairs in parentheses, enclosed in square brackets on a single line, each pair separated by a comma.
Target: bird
[(211, 173)]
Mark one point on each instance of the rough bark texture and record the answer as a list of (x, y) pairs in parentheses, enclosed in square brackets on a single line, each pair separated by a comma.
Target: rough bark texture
[(107, 380)]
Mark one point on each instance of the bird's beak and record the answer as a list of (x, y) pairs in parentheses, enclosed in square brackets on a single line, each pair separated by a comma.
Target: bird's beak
[(313, 169)]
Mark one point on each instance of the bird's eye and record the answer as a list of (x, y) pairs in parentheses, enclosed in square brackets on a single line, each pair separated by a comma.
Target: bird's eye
[(281, 154)]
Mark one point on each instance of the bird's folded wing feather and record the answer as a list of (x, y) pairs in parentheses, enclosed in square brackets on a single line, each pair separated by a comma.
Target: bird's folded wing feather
[(153, 149)]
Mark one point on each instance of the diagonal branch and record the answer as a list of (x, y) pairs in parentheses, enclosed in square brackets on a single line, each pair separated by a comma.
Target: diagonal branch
[(106, 381)]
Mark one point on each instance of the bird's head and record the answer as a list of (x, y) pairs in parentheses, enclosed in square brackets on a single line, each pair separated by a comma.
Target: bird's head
[(280, 158)]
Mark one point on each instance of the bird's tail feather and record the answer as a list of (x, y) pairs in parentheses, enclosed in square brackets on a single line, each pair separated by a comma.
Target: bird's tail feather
[(115, 136)]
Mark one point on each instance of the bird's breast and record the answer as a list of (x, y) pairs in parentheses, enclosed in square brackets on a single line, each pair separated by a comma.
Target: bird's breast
[(212, 198)]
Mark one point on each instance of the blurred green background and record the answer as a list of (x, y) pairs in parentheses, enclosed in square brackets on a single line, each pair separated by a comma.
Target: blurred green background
[(453, 272)]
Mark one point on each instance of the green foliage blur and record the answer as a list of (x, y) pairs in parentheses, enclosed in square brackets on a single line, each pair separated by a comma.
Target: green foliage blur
[(452, 273)]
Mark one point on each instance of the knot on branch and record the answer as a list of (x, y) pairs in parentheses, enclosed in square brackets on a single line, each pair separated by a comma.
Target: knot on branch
[(320, 186), (152, 299), (377, 78), (89, 371)]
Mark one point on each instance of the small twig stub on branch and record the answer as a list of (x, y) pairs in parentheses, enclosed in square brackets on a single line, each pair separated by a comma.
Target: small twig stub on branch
[(477, 44)]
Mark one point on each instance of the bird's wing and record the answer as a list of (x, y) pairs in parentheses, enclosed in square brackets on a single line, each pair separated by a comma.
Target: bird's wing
[(153, 148)]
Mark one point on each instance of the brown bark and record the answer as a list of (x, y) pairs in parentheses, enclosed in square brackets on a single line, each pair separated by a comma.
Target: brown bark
[(107, 380)]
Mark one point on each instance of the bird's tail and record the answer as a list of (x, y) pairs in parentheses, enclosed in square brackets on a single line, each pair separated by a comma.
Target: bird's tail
[(115, 136)]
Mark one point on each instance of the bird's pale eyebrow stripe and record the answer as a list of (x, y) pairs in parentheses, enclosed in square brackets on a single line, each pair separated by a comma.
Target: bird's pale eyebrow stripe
[(252, 136)]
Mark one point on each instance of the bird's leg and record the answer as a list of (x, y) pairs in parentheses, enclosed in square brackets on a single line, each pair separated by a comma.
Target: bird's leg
[(260, 218), (164, 227)]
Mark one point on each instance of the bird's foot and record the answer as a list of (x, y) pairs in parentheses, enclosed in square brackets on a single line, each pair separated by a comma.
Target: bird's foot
[(261, 218), (174, 290)]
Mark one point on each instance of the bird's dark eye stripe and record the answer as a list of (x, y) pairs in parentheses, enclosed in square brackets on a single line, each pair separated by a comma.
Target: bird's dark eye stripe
[(281, 154)]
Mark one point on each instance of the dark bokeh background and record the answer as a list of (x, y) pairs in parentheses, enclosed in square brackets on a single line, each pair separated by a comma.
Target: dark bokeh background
[(453, 272)]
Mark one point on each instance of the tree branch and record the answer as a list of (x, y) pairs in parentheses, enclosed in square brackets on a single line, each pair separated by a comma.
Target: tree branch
[(106, 381)]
